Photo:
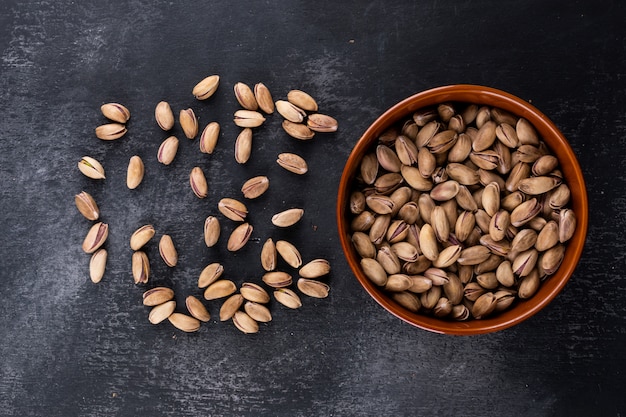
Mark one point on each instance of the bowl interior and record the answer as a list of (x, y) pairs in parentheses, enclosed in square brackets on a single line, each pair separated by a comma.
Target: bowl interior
[(568, 164)]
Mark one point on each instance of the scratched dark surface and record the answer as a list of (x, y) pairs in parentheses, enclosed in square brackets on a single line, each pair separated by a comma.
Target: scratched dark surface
[(69, 347)]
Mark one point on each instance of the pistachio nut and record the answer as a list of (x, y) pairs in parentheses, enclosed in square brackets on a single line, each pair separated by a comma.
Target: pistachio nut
[(293, 163), (524, 240), (164, 115), (255, 187), (289, 253), (290, 111), (206, 88), (357, 202), (407, 300), (302, 100), (363, 245), (461, 149), (97, 265), (268, 255), (429, 298), (288, 217), (491, 198), (567, 225), (485, 137), (379, 228), (380, 204), (313, 288), (219, 289), (406, 150), (264, 98), (440, 224), (525, 262), (87, 206), (548, 236), (374, 271), (230, 306), (474, 255), (484, 305), (91, 168), (387, 183), (248, 118), (318, 122), (211, 231), (362, 222), (387, 159), (189, 123), (288, 298), (245, 96), (110, 131), (398, 283), (211, 273), (168, 251), (504, 274), (529, 285), (134, 173), (258, 312), (460, 312), (157, 295), (239, 237), (552, 258), (297, 130), (209, 137), (140, 267), (504, 299), (427, 132), (161, 312), (523, 213), (254, 292), (544, 165), (243, 146), (277, 279), (197, 309), (526, 133), (369, 168), (538, 185), (232, 209), (115, 112), (315, 268), (184, 322), (167, 150), (448, 256), (414, 178), (507, 135), (245, 323), (499, 225), (428, 242), (141, 236), (423, 116), (443, 308), (96, 237), (445, 191), (198, 183), (442, 141)]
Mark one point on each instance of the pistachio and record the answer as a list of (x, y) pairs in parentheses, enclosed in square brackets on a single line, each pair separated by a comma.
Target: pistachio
[(464, 225), (525, 262), (374, 271), (405, 251), (297, 130), (258, 312), (245, 323), (448, 256), (544, 165), (445, 191), (167, 150), (289, 253), (313, 288), (428, 242), (387, 159), (161, 312), (211, 231), (288, 298), (523, 213), (243, 146), (363, 245), (96, 237), (567, 225), (219, 289), (264, 98), (424, 116), (379, 228), (197, 309), (507, 135), (430, 298), (518, 173), (548, 236), (116, 112), (462, 174), (559, 197), (255, 187), (529, 285), (87, 206), (210, 274), (198, 183), (406, 150), (209, 137), (357, 202), (268, 255), (524, 240), (168, 251), (164, 115), (254, 292), (362, 222), (290, 111), (141, 236), (239, 237), (504, 274), (288, 217), (552, 258), (398, 283), (499, 224), (97, 265), (473, 255), (302, 100), (230, 306), (189, 123), (526, 133), (440, 224), (184, 322), (318, 122), (157, 295), (428, 131), (91, 168), (293, 163), (277, 279), (248, 118), (110, 131), (388, 259), (504, 299), (380, 204), (388, 183), (206, 88), (407, 300), (538, 185), (442, 141), (245, 96), (460, 312), (484, 305), (315, 268), (443, 307), (409, 212), (134, 173), (140, 267), (233, 209)]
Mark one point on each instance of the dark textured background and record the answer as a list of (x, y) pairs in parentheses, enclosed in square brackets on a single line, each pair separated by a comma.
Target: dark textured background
[(69, 347)]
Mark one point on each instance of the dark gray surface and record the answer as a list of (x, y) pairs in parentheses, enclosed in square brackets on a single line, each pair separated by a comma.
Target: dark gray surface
[(69, 347)]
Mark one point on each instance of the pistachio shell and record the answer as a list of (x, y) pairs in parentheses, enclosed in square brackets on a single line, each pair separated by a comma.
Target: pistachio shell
[(87, 206), (97, 265), (268, 255), (161, 312), (254, 292), (209, 137), (110, 131), (239, 237), (115, 112), (168, 251), (219, 289), (96, 237), (211, 231), (233, 209), (245, 96), (197, 309), (289, 253), (288, 217), (290, 111), (255, 187), (264, 98), (189, 123), (315, 268), (297, 130), (230, 306), (313, 288), (407, 300), (198, 183), (322, 123), (277, 279), (140, 267), (302, 100), (91, 168), (293, 163), (135, 172), (258, 312), (157, 295), (184, 322), (248, 118), (164, 115), (206, 88), (288, 298), (167, 150), (245, 323), (211, 273), (243, 146)]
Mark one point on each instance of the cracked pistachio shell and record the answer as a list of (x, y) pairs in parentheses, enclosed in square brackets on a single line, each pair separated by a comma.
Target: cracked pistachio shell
[(277, 279), (255, 187), (97, 265), (168, 251), (264, 98), (189, 123), (232, 209), (164, 116), (135, 172), (96, 237), (110, 131), (211, 231), (245, 323), (289, 253), (290, 111), (484, 305), (248, 118), (301, 99), (157, 295), (184, 322), (230, 306), (140, 267), (297, 130), (209, 137), (293, 163), (258, 312), (206, 88), (91, 168), (210, 274), (239, 237), (318, 122), (243, 146), (115, 112), (288, 298), (245, 96), (254, 292), (167, 150), (198, 183), (315, 269), (161, 312), (219, 289), (87, 206), (141, 236), (313, 288), (268, 255), (197, 309), (288, 217)]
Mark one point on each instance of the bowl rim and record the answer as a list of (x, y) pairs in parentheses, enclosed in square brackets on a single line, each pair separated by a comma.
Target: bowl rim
[(481, 95)]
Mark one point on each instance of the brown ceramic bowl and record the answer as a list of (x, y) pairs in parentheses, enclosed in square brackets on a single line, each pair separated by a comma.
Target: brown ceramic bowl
[(572, 175)]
